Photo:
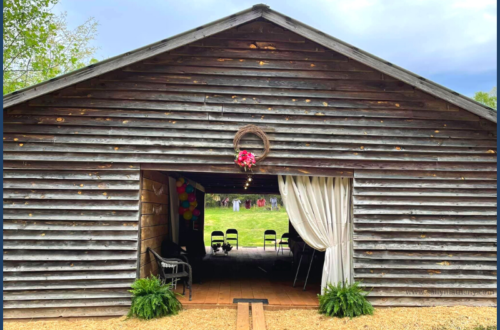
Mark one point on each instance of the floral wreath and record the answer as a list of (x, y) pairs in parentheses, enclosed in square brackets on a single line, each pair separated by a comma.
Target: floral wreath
[(244, 158)]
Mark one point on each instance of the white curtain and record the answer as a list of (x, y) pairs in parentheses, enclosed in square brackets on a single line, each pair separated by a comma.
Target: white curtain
[(320, 210)]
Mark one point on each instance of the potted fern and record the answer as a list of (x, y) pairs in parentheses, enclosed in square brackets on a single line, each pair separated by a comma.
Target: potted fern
[(343, 300), (152, 299)]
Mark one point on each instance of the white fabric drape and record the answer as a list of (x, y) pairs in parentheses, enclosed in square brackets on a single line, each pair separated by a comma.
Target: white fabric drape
[(319, 209)]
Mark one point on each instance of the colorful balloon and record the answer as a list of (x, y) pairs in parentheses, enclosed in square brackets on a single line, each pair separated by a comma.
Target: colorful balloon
[(183, 197), (195, 203), (189, 188), (182, 210), (181, 189), (181, 180), (187, 215), (196, 212), (191, 208), (194, 218), (185, 204), (191, 197), (178, 183)]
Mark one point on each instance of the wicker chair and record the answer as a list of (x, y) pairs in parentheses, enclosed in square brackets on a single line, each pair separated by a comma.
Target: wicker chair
[(184, 271)]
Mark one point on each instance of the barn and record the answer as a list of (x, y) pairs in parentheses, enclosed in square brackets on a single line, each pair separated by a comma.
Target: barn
[(88, 156)]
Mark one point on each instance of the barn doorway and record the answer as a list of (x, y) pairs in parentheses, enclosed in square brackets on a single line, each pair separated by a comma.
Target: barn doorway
[(248, 271)]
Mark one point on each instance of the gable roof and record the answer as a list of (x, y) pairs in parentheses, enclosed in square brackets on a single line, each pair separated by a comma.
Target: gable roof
[(237, 19)]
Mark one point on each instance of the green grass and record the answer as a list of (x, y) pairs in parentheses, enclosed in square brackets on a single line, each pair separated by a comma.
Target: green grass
[(250, 224)]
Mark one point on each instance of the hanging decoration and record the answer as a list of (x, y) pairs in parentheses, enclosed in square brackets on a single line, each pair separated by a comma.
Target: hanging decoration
[(244, 158), (187, 200)]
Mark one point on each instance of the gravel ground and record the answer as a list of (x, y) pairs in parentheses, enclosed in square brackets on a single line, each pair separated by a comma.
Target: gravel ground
[(433, 318), (428, 318), (195, 319)]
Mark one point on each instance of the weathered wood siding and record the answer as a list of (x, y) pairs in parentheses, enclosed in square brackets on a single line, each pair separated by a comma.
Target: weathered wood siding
[(425, 170), (70, 238), (154, 219)]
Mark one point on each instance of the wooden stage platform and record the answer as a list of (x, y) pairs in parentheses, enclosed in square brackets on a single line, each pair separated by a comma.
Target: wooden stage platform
[(252, 273)]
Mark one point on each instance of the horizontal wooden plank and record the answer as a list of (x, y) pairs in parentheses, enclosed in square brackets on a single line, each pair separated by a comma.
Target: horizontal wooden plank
[(428, 293), (73, 205), (66, 285), (70, 265), (153, 231), (245, 143), (431, 201), (423, 237), (452, 184), (252, 54), (77, 235), (153, 220), (414, 95), (155, 136), (262, 45), (66, 225), (439, 255), (25, 256), (228, 160), (70, 245), (426, 246), (424, 192), (229, 123), (73, 184), (430, 302), (158, 196), (74, 166), (28, 313), (338, 85), (153, 208), (68, 215), (66, 294), (154, 176), (420, 220), (419, 228), (425, 273), (416, 175), (424, 210), (423, 264), (74, 275), (251, 72), (67, 303), (315, 154), (71, 175), (307, 108), (428, 283), (70, 194)]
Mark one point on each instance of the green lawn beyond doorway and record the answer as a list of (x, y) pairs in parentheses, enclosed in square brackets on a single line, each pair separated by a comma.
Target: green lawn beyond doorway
[(250, 223)]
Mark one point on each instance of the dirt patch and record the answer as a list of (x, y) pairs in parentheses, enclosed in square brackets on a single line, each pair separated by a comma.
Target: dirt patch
[(200, 319), (424, 318)]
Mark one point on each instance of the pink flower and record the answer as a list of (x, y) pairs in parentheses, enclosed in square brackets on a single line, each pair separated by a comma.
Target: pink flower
[(244, 152), (240, 159)]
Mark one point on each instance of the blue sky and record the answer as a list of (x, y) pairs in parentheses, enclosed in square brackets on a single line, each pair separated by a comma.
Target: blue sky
[(452, 42)]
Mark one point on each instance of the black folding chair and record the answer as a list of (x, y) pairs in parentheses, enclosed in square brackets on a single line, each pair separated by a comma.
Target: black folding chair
[(311, 253), (283, 241), (214, 238), (270, 232), (232, 232), (179, 268)]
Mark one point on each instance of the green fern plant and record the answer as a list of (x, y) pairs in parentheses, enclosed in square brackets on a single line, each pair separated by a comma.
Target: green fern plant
[(152, 299), (343, 300)]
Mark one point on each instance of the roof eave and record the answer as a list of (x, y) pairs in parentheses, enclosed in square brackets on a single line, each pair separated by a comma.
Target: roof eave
[(380, 64), (134, 56)]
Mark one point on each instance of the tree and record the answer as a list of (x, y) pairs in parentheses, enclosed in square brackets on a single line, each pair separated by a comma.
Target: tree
[(488, 99), (38, 45)]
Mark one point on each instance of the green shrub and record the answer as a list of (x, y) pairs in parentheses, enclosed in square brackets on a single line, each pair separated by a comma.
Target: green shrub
[(151, 299), (344, 300)]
